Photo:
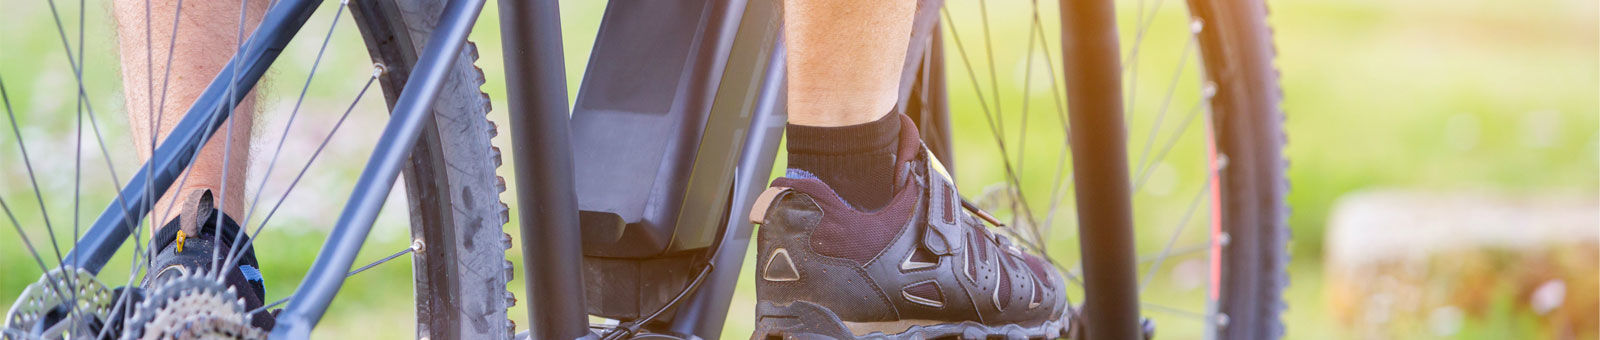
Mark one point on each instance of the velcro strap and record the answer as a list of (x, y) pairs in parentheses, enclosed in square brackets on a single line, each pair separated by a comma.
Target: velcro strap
[(1006, 245), (943, 210)]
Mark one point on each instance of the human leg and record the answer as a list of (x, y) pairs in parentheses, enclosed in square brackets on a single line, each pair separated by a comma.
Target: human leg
[(865, 236), (844, 58), (187, 237), (157, 98), (844, 63)]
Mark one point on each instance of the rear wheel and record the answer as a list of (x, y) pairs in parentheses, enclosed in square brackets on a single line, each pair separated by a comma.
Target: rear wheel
[(455, 213), (461, 275), (1225, 282)]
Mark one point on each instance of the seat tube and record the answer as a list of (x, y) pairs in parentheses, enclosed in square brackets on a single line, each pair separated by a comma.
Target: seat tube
[(1090, 54), (541, 144)]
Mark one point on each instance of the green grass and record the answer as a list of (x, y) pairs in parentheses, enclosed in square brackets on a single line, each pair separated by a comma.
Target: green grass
[(1431, 94)]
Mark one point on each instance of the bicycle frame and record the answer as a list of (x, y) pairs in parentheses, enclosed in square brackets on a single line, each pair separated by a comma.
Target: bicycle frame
[(734, 56), (543, 155), (216, 104)]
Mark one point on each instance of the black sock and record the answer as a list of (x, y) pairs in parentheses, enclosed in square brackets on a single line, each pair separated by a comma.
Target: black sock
[(857, 161)]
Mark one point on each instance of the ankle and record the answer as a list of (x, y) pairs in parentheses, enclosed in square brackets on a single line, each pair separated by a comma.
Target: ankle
[(856, 161)]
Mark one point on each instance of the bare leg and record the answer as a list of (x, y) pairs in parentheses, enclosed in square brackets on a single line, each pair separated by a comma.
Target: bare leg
[(876, 192), (207, 36), (845, 58)]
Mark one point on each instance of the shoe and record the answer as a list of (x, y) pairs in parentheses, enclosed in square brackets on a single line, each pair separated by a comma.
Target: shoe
[(921, 267), (184, 248)]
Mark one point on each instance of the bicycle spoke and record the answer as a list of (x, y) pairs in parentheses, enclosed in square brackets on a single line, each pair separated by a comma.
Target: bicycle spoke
[(135, 266), (181, 181), (1022, 129), (1180, 252), (284, 137), (161, 107), (37, 195), (385, 259), (28, 163), (77, 150), (166, 76), (415, 246), (989, 118), (36, 257), (1144, 171), (25, 241), (88, 107), (999, 127), (32, 179), (227, 143), (105, 154), (1176, 232), (1131, 62), (1062, 173), (149, 91), (159, 111), (1050, 67), (149, 69), (1027, 94), (988, 48), (1036, 33), (1159, 138), (1161, 115), (238, 247), (1175, 311), (156, 114), (1143, 22)]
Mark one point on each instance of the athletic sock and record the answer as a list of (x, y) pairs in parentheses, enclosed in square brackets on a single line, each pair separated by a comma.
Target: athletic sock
[(857, 161)]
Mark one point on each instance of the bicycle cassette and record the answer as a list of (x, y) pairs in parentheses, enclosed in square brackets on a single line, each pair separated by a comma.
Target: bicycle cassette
[(191, 306)]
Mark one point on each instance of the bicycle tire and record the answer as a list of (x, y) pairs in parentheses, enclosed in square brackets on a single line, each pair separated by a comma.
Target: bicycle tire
[(1237, 49), (461, 274)]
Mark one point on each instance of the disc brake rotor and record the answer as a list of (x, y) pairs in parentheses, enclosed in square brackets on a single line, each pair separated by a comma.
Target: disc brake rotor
[(69, 298)]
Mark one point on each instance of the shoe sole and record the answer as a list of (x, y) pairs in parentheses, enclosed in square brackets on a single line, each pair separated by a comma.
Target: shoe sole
[(804, 321)]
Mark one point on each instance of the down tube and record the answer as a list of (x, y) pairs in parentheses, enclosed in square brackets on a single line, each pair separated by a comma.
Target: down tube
[(327, 274), (705, 314), (207, 113)]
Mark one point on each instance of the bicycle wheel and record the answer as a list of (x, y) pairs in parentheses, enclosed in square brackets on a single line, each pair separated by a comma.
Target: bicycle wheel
[(1235, 164), (459, 265), (450, 179)]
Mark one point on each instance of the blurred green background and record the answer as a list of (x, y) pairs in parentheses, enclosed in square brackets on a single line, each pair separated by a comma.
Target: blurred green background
[(1422, 94)]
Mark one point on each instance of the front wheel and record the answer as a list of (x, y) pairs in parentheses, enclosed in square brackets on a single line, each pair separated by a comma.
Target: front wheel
[(1216, 277)]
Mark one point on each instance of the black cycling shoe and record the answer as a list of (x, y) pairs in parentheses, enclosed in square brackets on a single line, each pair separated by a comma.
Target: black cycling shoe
[(184, 247), (921, 267)]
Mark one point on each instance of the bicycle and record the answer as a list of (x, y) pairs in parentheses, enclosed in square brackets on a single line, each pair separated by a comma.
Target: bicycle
[(660, 227)]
